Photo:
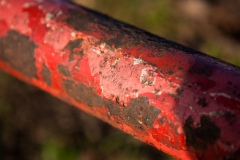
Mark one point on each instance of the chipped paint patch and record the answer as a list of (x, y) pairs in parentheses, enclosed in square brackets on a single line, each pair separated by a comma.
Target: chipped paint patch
[(74, 47), (82, 93), (64, 70), (199, 135), (139, 112), (148, 76), (137, 61), (46, 74), (18, 50), (114, 72)]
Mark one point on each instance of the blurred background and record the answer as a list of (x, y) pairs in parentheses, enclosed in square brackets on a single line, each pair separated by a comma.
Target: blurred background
[(36, 126)]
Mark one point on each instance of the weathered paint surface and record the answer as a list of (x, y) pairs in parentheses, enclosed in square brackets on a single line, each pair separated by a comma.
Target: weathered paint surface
[(179, 100)]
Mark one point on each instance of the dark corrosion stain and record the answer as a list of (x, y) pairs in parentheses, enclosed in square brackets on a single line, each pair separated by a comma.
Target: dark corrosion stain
[(64, 70), (202, 102), (139, 111), (46, 74), (79, 19), (119, 34), (233, 88), (200, 136), (17, 51), (179, 91), (230, 117), (199, 69), (169, 72), (114, 109), (82, 93), (229, 83), (236, 156), (203, 84), (74, 48)]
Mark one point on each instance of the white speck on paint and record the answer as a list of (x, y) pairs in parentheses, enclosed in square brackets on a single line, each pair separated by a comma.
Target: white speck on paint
[(48, 16), (26, 5), (48, 25), (212, 94), (135, 94), (146, 77), (224, 95), (139, 121), (116, 61), (137, 61), (221, 94), (157, 92), (73, 34), (59, 13), (96, 51), (102, 45), (143, 75)]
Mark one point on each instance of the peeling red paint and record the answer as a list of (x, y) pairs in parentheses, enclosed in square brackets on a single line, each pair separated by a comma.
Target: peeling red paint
[(174, 98)]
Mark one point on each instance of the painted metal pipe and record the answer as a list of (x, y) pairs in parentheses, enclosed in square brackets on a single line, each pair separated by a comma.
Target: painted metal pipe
[(179, 100)]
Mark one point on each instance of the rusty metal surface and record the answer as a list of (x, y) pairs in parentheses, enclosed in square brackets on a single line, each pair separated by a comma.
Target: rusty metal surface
[(179, 100)]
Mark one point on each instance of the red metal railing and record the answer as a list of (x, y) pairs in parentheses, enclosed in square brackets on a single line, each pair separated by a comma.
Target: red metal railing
[(183, 102)]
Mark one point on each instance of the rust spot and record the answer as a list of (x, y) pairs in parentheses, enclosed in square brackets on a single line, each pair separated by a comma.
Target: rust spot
[(199, 69), (83, 93), (200, 135), (202, 102), (114, 109), (74, 48), (230, 117), (236, 155), (82, 17), (139, 111), (179, 91), (46, 75), (170, 72), (18, 51), (64, 70)]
